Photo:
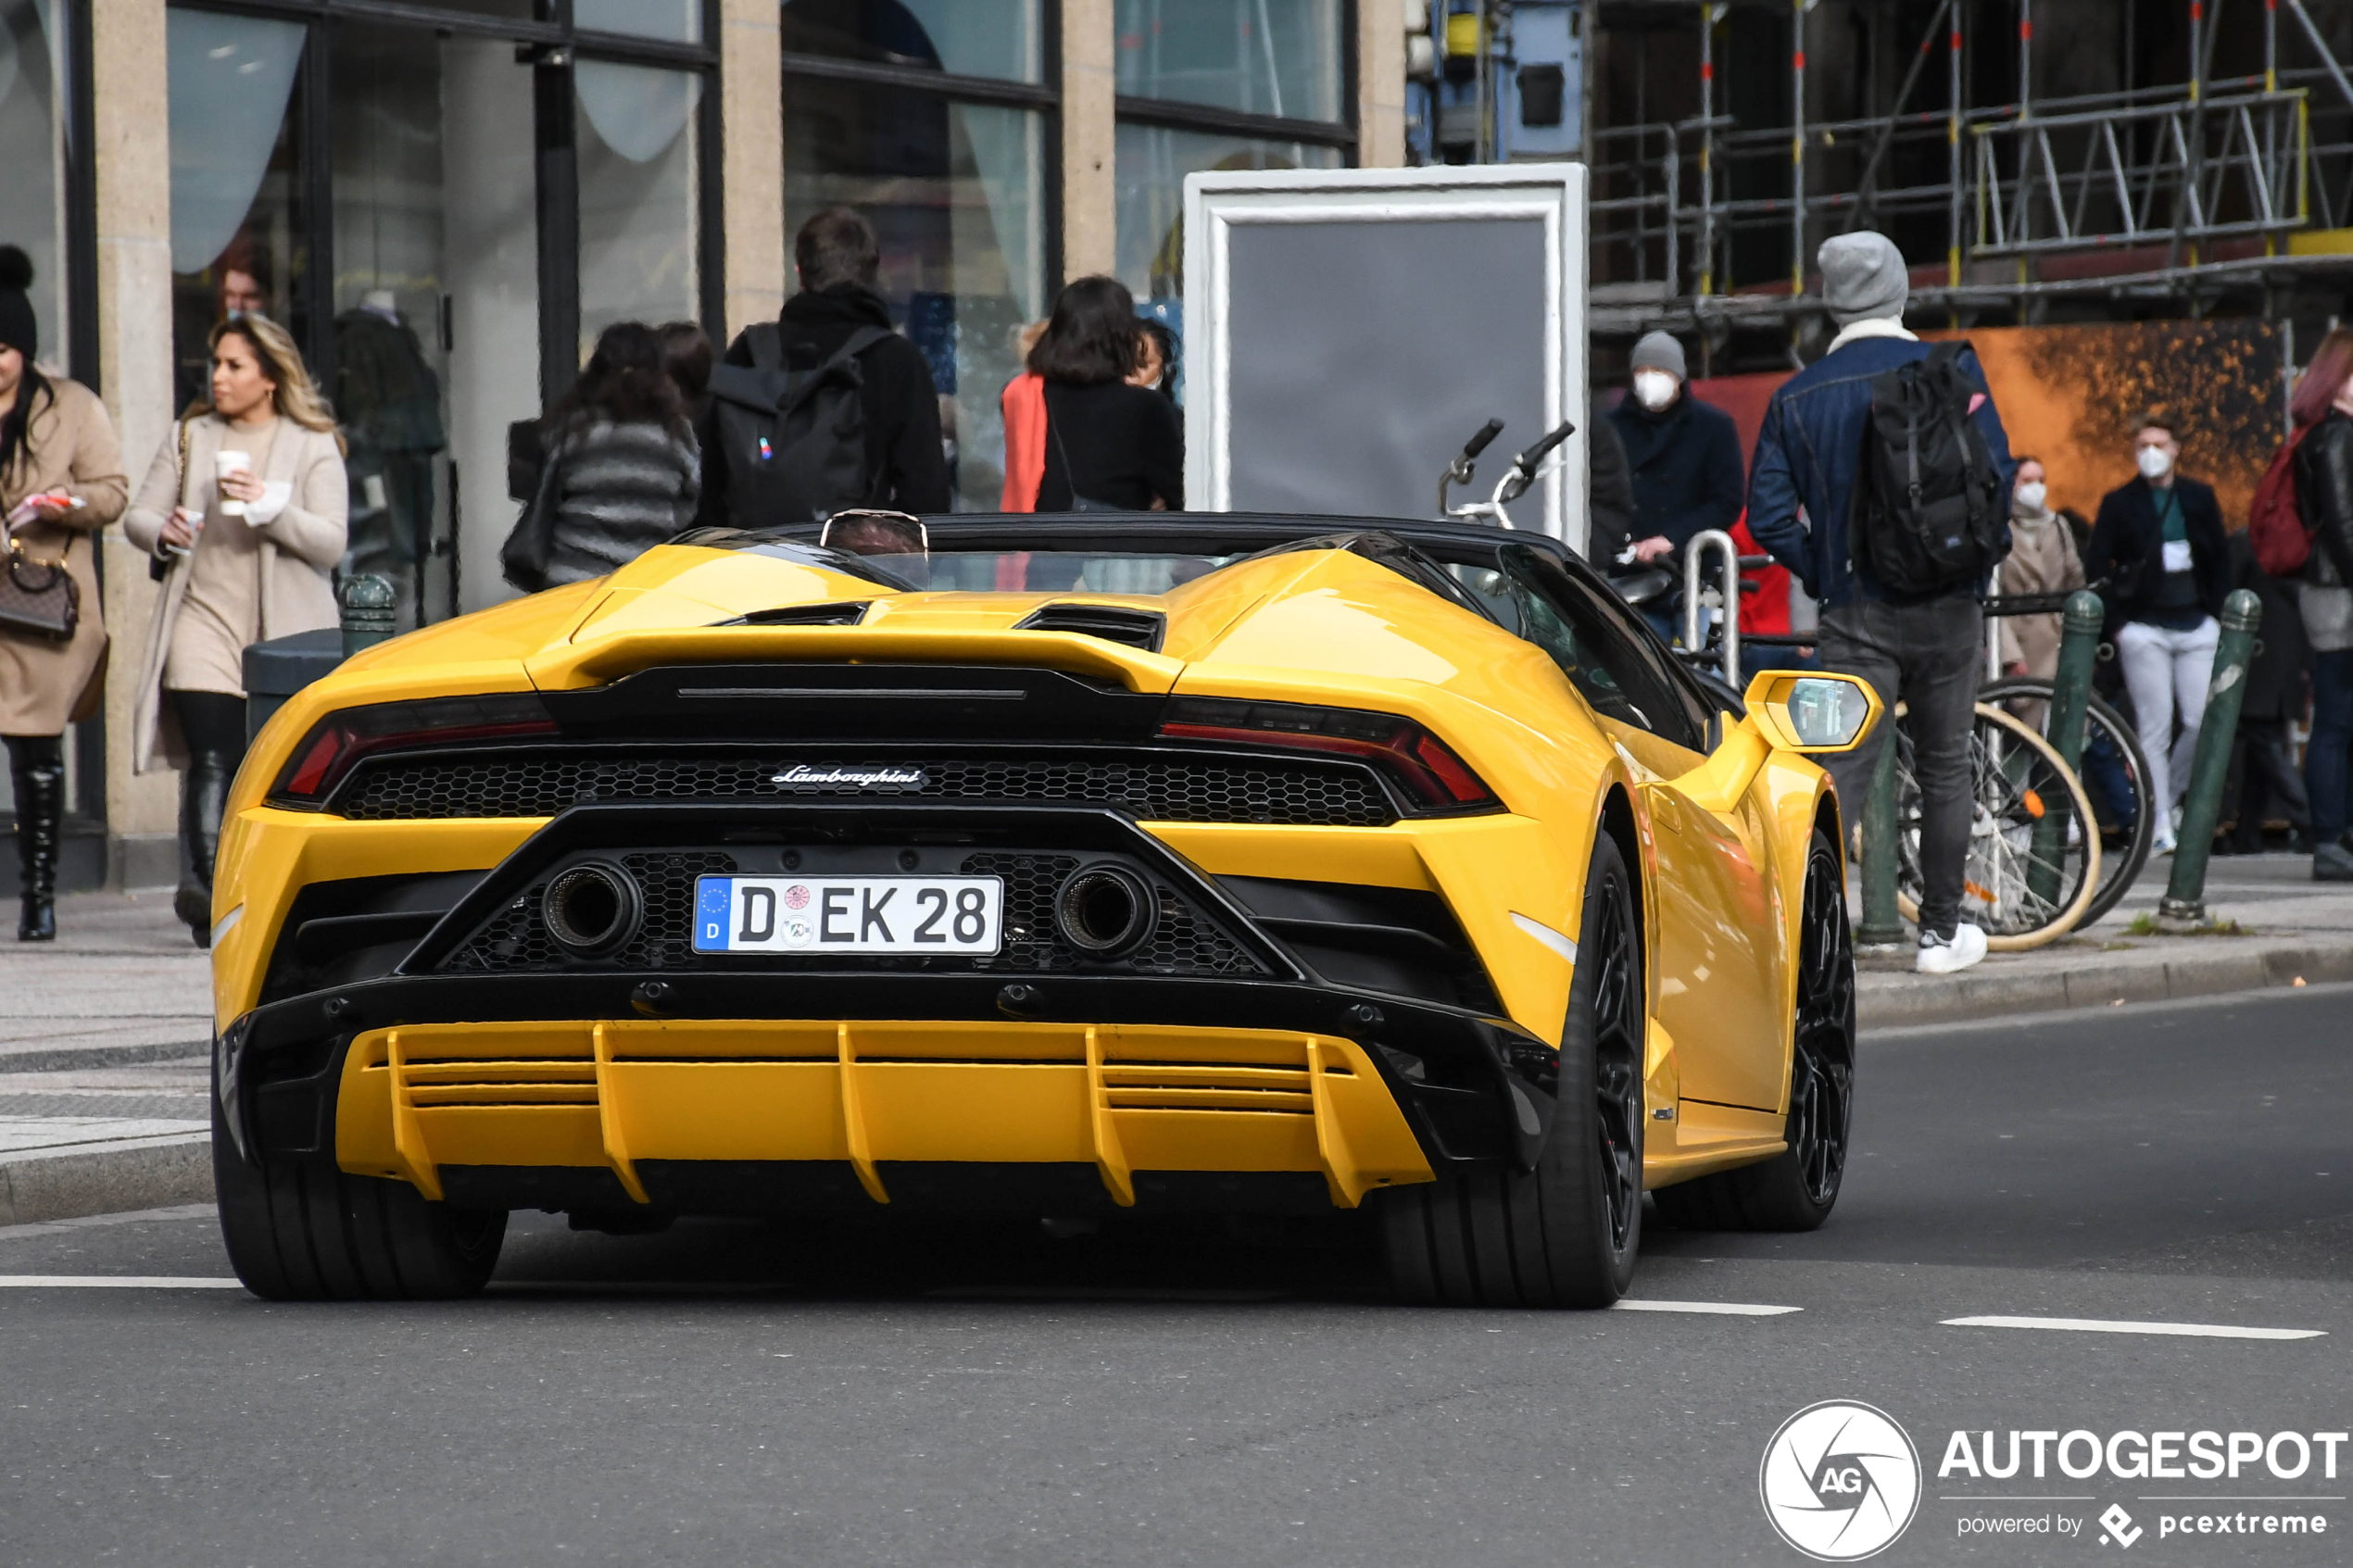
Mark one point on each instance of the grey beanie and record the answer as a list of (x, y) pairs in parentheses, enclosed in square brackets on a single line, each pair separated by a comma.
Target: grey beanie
[(1659, 351), (1863, 276)]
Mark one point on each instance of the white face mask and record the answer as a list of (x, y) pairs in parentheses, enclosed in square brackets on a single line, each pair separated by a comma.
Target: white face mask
[(2155, 462), (1654, 389), (2030, 497)]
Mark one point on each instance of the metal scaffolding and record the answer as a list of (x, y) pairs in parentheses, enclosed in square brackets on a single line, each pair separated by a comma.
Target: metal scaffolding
[(2165, 190)]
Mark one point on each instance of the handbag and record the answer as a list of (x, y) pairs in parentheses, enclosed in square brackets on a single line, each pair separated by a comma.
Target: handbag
[(530, 549), (1077, 503), (39, 598), (166, 556)]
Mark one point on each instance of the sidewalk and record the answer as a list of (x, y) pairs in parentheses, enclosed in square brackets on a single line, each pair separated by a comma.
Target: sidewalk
[(2296, 930), (103, 1063)]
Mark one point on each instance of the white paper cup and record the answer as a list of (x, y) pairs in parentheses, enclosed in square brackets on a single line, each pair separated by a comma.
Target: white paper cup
[(225, 463)]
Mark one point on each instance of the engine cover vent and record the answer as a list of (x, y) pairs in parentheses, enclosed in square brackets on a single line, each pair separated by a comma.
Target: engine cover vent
[(1113, 624)]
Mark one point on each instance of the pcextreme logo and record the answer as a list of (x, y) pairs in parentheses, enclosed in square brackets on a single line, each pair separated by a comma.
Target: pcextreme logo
[(1841, 1481)]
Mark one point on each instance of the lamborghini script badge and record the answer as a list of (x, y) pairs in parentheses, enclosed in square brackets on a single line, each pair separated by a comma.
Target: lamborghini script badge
[(800, 775)]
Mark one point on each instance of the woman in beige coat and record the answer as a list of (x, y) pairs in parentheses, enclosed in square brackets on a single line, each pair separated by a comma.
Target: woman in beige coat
[(248, 503), (60, 480)]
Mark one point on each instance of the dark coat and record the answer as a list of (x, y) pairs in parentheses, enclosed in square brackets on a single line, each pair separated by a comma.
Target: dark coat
[(2128, 549), (1810, 449), (1685, 465), (1609, 503), (2324, 490), (906, 468), (2275, 675)]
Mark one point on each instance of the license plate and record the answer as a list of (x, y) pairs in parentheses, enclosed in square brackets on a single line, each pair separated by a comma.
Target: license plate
[(962, 915)]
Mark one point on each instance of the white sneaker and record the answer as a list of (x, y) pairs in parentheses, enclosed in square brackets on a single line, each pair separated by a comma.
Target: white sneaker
[(1940, 955)]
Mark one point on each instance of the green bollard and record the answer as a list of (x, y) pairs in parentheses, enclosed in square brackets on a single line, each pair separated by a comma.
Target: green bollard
[(368, 613), (1883, 926), (2070, 703), (2185, 903)]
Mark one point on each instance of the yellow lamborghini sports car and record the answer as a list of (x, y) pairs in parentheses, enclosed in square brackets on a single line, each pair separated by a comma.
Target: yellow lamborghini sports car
[(1064, 867)]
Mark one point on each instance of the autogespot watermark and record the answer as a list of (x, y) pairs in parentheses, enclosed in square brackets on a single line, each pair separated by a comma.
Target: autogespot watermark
[(1841, 1481), (2237, 1462)]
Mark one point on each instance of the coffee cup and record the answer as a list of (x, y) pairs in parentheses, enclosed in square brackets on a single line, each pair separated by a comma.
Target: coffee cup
[(225, 463)]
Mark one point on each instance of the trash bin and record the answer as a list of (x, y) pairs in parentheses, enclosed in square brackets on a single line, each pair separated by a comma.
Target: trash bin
[(282, 665)]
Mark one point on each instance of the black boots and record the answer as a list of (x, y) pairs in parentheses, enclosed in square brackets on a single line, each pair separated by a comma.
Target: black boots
[(37, 768), (204, 794)]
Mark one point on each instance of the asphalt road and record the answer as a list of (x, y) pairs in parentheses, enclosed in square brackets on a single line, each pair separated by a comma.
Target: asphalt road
[(734, 1393)]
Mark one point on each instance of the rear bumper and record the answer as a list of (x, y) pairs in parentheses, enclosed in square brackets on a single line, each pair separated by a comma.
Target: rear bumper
[(718, 1092)]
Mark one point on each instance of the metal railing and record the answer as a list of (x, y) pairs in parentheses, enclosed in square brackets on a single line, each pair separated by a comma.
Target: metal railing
[(2184, 171)]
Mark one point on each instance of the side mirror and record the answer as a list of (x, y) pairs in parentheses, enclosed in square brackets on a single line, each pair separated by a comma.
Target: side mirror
[(1814, 714)]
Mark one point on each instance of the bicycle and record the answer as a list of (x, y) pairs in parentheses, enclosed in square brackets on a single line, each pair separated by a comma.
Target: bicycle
[(1511, 487), (2017, 779), (2115, 773)]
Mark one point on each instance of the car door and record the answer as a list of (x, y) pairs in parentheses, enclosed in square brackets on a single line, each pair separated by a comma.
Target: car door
[(1719, 936)]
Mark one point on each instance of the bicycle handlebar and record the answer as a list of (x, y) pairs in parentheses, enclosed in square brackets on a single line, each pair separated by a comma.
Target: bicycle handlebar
[(1525, 462), (1479, 443)]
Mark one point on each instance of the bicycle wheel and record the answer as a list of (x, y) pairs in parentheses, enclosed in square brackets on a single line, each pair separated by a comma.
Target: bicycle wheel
[(2017, 782), (2115, 774)]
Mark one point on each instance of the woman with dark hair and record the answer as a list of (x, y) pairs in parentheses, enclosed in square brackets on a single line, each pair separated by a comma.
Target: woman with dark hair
[(1078, 436), (687, 359), (248, 503), (61, 478), (624, 472), (2321, 408)]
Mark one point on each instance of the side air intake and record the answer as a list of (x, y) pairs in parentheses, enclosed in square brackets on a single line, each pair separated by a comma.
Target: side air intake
[(1113, 624)]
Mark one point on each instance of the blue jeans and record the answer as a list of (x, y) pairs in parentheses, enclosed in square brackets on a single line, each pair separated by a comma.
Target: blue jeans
[(2327, 763)]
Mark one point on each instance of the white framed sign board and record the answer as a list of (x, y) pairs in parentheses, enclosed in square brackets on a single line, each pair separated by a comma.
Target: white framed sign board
[(1347, 329)]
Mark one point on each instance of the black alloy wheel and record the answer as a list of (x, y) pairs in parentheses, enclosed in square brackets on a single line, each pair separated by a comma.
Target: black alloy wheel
[(1796, 1189), (1822, 1062), (1617, 1058), (1567, 1233)]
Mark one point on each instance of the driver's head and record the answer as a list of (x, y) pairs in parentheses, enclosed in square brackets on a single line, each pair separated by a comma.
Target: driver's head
[(874, 534)]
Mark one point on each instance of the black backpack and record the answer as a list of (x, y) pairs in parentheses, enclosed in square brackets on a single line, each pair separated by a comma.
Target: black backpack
[(794, 441), (1927, 513)]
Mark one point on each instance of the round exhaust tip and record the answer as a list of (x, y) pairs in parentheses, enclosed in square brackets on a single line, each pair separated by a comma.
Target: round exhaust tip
[(1105, 910), (592, 908)]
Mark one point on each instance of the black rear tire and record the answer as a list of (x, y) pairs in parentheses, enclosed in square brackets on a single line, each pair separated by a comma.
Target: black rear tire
[(1796, 1189), (307, 1231), (1566, 1234)]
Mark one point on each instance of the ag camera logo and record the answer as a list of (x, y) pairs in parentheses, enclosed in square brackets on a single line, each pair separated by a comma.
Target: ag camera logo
[(1841, 1481)]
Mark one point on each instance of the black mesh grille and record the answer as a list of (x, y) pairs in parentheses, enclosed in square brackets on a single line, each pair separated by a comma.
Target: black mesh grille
[(516, 941), (1152, 786)]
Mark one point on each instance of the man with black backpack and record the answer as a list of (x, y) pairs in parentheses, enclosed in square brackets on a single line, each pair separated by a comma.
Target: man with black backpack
[(1894, 451), (826, 407)]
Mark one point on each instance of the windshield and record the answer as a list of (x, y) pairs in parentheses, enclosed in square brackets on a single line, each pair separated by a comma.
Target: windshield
[(1049, 571)]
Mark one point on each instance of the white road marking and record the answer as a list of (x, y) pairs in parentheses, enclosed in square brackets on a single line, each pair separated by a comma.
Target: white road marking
[(1714, 1309), (118, 1281), (126, 1216), (2118, 1325)]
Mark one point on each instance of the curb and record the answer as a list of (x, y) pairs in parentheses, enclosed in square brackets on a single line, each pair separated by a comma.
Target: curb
[(67, 1183), (68, 1058), (1897, 1000)]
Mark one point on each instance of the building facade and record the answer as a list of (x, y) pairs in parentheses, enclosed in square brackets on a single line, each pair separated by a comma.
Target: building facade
[(447, 200)]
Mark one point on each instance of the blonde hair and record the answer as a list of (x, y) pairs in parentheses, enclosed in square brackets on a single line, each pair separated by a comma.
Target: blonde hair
[(297, 397)]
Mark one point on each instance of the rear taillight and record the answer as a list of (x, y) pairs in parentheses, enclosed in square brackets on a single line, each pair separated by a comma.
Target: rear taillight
[(338, 743), (1421, 763)]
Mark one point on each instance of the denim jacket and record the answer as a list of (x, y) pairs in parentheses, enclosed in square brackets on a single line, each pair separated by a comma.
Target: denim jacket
[(1808, 453)]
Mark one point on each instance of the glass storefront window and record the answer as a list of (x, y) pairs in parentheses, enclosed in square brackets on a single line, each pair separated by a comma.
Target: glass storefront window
[(956, 194), (32, 178), (674, 22), (1153, 162), (996, 38), (436, 299), (238, 227), (1260, 56), (635, 135)]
